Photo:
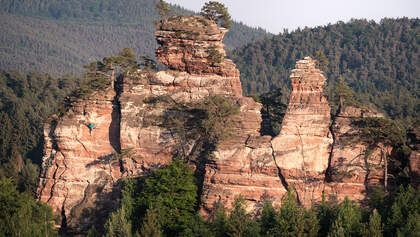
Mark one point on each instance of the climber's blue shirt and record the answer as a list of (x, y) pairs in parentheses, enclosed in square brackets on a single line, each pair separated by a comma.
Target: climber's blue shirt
[(91, 126)]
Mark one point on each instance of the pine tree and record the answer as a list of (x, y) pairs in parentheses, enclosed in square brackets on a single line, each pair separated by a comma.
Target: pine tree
[(172, 190), (348, 220), (151, 225), (268, 216), (118, 224), (163, 9), (375, 227), (217, 12)]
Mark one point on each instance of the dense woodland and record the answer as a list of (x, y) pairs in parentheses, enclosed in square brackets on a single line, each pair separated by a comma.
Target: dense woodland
[(380, 61), (60, 36), (147, 210)]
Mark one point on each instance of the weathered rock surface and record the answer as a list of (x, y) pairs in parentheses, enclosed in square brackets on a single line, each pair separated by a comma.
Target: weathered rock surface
[(302, 148), (153, 144), (243, 165), (80, 170), (415, 156), (353, 165), (192, 44)]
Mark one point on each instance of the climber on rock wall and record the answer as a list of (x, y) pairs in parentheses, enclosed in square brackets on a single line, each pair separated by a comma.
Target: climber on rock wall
[(91, 126)]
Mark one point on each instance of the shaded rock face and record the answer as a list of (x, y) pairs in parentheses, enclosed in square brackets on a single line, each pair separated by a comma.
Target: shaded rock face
[(192, 44), (415, 156), (302, 148), (353, 165), (80, 174), (243, 165)]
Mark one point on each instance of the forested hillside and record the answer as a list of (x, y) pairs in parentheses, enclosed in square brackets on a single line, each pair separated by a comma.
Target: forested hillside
[(59, 36), (381, 61)]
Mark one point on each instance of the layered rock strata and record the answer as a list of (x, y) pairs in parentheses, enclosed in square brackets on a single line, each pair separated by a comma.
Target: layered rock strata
[(302, 148), (79, 173), (353, 165), (194, 45), (81, 168)]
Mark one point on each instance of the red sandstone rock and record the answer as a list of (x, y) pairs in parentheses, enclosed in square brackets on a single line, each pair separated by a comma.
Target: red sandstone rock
[(186, 44), (352, 170), (79, 176), (78, 167), (302, 148)]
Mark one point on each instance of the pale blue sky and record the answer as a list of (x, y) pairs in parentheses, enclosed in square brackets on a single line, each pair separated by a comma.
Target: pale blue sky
[(275, 15)]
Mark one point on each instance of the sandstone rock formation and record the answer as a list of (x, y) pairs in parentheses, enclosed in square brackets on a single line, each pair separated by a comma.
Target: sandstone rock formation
[(353, 166), (302, 148), (415, 157), (80, 170), (194, 45)]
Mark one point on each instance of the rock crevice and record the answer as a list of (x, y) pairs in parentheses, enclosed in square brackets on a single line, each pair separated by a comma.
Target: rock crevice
[(80, 172)]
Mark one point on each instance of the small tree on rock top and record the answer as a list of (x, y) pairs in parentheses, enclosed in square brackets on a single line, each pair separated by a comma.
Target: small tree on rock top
[(163, 8), (217, 12)]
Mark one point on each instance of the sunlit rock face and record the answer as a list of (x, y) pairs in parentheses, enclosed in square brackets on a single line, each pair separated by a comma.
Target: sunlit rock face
[(303, 146), (191, 44), (78, 175), (82, 167)]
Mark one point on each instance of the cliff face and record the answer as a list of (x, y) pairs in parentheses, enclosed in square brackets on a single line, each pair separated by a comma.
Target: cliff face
[(81, 169), (194, 45), (415, 156), (353, 165), (79, 172)]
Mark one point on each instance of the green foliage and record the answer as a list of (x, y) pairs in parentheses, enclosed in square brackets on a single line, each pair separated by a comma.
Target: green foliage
[(322, 61), (172, 192), (163, 9), (380, 61), (208, 121), (198, 228), (375, 227), (25, 102), (219, 226), (294, 220), (21, 215), (118, 225), (101, 75), (148, 63), (60, 36), (215, 57), (326, 213), (348, 221), (151, 226), (267, 221), (217, 12), (239, 222), (404, 216), (342, 95), (380, 130), (272, 112)]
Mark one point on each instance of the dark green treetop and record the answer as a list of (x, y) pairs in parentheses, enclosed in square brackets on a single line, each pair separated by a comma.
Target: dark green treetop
[(163, 8), (217, 12)]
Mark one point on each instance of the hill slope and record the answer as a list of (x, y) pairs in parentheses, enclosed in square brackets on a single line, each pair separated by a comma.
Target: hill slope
[(61, 36), (380, 61)]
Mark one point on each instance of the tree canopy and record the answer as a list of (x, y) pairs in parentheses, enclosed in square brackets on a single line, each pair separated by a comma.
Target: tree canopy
[(217, 12)]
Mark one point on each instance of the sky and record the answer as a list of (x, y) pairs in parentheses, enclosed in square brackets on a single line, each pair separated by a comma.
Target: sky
[(277, 15)]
